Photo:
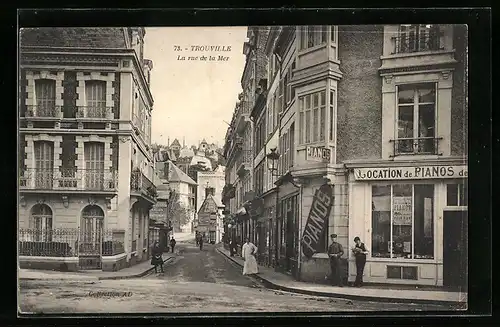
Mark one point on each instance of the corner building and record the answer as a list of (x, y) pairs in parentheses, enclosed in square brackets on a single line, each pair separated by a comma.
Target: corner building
[(86, 167), (379, 113)]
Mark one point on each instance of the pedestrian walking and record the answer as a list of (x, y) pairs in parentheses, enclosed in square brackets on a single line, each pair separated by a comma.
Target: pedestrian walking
[(200, 242), (232, 247), (248, 251), (197, 239), (360, 253), (335, 252), (157, 259), (172, 244)]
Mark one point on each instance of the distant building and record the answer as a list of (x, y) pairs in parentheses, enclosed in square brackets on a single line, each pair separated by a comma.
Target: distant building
[(210, 220)]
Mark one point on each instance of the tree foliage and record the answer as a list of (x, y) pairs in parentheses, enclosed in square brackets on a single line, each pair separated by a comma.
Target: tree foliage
[(176, 212)]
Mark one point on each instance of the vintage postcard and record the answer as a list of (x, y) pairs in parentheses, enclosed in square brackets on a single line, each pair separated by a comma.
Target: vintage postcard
[(243, 169)]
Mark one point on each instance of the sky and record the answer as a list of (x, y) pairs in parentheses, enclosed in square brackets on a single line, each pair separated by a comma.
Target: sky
[(192, 99)]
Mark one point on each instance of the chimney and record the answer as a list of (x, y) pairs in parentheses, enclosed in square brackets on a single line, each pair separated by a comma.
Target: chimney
[(168, 142)]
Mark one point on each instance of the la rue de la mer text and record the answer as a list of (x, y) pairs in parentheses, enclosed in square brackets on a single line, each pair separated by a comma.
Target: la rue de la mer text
[(193, 49)]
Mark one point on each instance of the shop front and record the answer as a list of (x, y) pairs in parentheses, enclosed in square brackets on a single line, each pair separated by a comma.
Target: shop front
[(265, 231), (413, 220)]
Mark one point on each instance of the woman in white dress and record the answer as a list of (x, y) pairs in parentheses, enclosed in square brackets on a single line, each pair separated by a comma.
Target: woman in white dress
[(248, 251)]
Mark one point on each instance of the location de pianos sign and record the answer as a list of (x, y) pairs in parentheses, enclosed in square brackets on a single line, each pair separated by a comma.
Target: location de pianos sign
[(402, 173), (316, 222)]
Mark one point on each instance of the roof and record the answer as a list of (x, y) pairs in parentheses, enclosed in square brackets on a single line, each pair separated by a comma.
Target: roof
[(175, 143), (209, 205), (177, 175), (197, 159)]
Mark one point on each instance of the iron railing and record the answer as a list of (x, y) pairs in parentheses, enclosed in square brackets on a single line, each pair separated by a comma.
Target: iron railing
[(94, 112), (45, 110), (413, 146), (411, 42), (70, 242), (140, 183), (134, 245), (68, 179)]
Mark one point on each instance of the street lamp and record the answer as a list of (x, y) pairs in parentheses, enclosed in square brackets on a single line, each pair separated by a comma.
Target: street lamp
[(272, 161), (272, 164)]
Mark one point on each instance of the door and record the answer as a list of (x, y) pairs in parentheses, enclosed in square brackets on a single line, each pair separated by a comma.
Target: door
[(44, 164), (45, 93), (91, 237), (94, 165), (455, 250), (96, 99)]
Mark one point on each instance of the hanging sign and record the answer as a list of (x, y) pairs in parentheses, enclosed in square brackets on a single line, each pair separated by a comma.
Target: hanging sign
[(316, 222), (402, 173)]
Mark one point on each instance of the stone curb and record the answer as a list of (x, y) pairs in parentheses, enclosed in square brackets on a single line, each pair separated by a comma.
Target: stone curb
[(142, 274), (87, 277), (274, 286)]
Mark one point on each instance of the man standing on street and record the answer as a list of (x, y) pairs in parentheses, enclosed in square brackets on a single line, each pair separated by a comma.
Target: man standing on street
[(201, 242), (172, 244), (335, 252)]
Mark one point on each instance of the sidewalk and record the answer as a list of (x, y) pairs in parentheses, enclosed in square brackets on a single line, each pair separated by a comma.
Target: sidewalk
[(279, 281), (136, 271)]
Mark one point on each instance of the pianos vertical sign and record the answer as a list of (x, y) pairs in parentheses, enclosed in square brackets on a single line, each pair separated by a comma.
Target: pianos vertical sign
[(317, 221)]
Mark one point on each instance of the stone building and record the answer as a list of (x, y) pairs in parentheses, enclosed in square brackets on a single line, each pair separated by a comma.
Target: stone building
[(86, 168), (378, 115)]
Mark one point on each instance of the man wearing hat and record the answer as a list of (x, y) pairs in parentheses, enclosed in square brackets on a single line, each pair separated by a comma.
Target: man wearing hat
[(335, 252)]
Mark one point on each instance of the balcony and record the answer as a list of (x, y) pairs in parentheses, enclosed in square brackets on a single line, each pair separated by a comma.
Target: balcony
[(410, 43), (244, 162), (44, 111), (140, 185), (68, 179), (243, 116), (99, 112), (416, 146)]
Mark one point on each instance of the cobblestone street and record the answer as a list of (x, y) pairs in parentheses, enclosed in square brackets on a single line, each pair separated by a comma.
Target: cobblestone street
[(196, 281)]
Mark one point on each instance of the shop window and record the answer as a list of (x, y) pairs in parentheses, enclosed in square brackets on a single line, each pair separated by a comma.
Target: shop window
[(403, 221), (457, 194)]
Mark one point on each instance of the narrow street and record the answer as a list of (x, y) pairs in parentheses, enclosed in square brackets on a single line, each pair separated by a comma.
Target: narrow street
[(196, 281)]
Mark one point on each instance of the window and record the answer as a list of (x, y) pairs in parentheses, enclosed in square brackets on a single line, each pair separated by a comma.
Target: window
[(44, 164), (259, 178), (312, 36), (312, 117), (209, 191), (334, 32), (417, 37), (273, 67), (457, 194), (45, 94), (96, 99), (288, 89), (94, 165), (270, 118), (333, 119), (416, 119), (260, 135), (403, 221), (41, 223), (281, 103), (399, 272)]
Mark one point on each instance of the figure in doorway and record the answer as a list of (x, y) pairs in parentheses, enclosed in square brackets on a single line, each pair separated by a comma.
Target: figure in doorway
[(360, 253), (335, 252), (157, 259), (172, 244)]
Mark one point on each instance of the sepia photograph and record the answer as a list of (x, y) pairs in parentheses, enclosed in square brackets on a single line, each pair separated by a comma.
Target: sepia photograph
[(239, 169)]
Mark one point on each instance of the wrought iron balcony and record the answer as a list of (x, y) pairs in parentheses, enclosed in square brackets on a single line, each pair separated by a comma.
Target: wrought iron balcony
[(416, 146), (68, 179), (45, 110), (140, 183), (424, 41), (244, 162), (94, 112)]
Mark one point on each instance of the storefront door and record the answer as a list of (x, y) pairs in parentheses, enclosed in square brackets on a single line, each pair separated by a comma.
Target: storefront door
[(455, 249)]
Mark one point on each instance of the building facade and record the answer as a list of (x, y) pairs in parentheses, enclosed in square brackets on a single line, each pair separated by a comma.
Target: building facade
[(86, 167), (210, 220), (378, 115)]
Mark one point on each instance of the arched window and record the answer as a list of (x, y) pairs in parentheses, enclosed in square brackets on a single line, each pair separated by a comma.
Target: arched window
[(91, 226), (41, 223)]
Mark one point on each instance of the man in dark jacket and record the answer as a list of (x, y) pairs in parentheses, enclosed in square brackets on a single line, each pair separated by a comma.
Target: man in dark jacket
[(156, 259), (201, 242), (172, 244), (335, 252)]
